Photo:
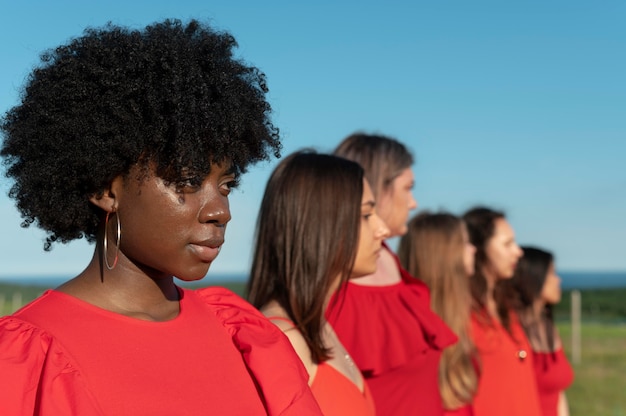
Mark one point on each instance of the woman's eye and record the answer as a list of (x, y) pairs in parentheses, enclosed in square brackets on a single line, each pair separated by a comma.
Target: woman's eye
[(229, 186)]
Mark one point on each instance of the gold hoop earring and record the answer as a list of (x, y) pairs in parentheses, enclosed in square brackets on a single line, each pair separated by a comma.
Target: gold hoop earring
[(105, 244)]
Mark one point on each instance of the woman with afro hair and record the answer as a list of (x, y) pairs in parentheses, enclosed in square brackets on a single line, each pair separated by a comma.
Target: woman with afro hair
[(133, 139)]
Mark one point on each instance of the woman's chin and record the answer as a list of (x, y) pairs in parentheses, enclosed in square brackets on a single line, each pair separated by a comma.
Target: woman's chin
[(193, 276)]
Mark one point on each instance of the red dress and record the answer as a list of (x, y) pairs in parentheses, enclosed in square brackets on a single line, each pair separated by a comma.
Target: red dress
[(554, 375), (507, 384), (396, 341), (62, 356), (466, 410)]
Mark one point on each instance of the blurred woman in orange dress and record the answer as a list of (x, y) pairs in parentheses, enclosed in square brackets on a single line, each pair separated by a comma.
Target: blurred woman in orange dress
[(507, 383)]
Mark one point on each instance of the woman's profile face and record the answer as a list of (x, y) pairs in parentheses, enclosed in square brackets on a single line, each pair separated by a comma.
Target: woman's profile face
[(551, 290), (173, 229), (394, 204), (372, 232), (502, 251)]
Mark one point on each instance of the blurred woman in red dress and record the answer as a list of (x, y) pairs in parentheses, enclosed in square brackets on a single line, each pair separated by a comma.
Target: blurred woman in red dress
[(437, 249), (385, 319), (537, 288), (507, 383)]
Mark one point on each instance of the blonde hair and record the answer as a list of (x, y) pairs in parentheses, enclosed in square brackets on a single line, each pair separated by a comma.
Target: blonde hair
[(432, 250), (383, 158)]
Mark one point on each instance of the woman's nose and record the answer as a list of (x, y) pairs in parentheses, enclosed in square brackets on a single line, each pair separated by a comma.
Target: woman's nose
[(383, 230), (412, 202), (215, 210)]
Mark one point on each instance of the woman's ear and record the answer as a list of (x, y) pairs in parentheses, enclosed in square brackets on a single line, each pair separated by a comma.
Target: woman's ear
[(107, 200)]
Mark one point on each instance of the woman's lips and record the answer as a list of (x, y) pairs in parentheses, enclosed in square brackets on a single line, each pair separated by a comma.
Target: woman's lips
[(206, 254)]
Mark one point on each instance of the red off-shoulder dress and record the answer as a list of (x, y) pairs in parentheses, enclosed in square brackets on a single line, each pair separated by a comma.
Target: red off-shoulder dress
[(62, 356), (396, 340), (554, 375)]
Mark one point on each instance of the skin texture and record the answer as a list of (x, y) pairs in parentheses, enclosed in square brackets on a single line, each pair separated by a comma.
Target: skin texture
[(551, 290), (371, 235), (393, 207), (395, 204), (502, 252), (167, 231)]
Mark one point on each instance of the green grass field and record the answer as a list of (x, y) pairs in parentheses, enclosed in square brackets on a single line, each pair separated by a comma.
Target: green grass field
[(599, 388)]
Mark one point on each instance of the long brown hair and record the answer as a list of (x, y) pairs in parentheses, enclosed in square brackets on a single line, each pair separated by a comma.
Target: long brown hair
[(307, 236), (481, 227), (432, 250), (527, 284)]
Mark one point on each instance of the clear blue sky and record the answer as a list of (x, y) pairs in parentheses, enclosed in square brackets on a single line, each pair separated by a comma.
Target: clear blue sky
[(518, 105)]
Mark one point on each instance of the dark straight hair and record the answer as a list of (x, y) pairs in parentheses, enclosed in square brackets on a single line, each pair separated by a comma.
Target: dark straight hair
[(480, 223), (307, 237), (527, 283)]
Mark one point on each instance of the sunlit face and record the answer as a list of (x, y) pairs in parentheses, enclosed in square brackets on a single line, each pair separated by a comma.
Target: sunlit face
[(502, 252), (372, 232), (173, 229), (394, 204), (551, 290), (469, 252)]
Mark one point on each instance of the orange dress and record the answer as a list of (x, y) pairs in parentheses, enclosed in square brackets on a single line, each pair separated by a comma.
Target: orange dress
[(507, 383), (62, 356), (339, 396), (554, 375), (336, 394)]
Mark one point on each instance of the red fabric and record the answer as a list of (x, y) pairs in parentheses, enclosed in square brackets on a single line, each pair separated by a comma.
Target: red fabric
[(554, 375), (507, 384), (396, 341), (466, 410), (339, 396), (64, 356)]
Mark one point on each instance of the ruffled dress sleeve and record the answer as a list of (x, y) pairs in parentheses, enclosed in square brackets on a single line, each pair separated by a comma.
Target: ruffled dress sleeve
[(396, 340), (387, 327), (270, 358), (38, 377)]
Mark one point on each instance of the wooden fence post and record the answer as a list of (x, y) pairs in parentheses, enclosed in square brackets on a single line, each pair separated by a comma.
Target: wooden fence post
[(576, 339)]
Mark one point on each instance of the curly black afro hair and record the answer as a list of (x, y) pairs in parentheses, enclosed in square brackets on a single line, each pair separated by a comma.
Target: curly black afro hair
[(171, 95)]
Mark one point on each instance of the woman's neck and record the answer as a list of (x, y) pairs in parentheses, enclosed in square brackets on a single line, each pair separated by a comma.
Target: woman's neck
[(125, 290), (386, 274)]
